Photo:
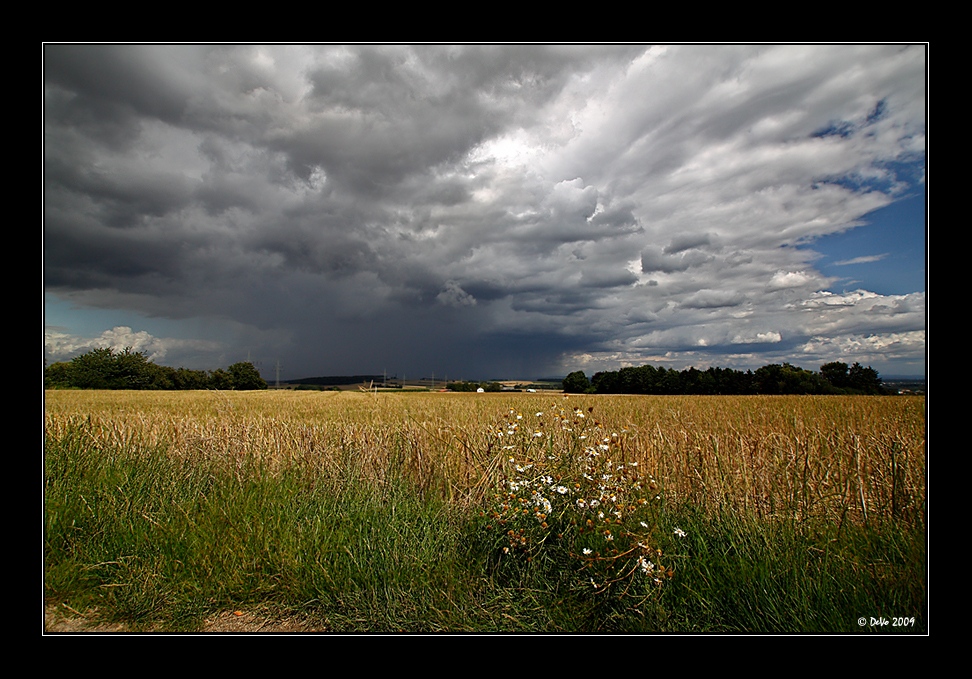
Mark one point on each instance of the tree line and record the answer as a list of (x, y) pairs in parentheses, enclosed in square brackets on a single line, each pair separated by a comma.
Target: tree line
[(127, 369), (833, 378)]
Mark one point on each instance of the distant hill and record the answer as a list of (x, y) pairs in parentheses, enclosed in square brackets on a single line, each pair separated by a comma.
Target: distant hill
[(337, 380), (916, 385)]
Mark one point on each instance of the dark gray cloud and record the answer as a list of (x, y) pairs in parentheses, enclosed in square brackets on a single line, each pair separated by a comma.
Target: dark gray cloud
[(475, 209), (713, 299)]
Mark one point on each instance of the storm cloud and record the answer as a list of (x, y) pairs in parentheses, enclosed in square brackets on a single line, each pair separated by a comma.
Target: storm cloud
[(479, 211)]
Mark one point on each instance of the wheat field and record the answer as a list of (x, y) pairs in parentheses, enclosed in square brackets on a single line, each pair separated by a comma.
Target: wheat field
[(837, 457)]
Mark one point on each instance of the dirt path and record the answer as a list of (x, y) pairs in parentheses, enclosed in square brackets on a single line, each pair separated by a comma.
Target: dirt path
[(64, 619)]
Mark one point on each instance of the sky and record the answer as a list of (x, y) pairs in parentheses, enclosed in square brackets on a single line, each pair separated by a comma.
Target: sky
[(486, 211)]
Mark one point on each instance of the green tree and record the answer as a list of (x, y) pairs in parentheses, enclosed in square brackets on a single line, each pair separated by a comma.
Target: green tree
[(245, 377), (788, 379), (864, 380), (577, 383), (462, 386), (605, 382), (220, 379), (58, 376), (132, 370), (93, 370), (184, 378), (110, 369), (835, 373)]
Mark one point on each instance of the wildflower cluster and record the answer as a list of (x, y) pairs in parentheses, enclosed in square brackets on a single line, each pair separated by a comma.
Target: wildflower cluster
[(572, 496)]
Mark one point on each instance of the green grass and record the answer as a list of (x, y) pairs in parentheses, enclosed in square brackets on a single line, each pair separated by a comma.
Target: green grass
[(790, 577), (160, 541), (151, 540)]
